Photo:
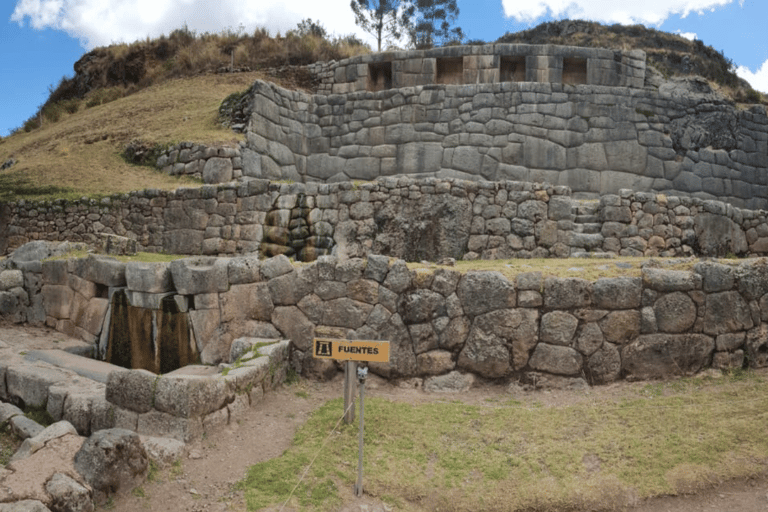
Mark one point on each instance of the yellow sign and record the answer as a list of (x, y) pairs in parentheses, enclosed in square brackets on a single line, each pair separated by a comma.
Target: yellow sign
[(351, 350)]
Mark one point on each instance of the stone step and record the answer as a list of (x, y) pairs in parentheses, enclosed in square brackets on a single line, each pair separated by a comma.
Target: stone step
[(89, 368)]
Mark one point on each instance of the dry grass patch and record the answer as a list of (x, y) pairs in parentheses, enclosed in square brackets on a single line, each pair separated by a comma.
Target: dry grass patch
[(80, 154)]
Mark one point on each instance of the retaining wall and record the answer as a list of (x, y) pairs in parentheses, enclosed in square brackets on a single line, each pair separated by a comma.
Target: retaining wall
[(565, 331), (679, 139), (402, 217)]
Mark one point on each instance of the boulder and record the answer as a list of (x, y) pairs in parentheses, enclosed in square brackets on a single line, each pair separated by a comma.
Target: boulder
[(485, 354), (482, 292), (453, 382), (192, 276), (663, 280), (555, 359), (656, 356), (67, 495), (516, 328), (558, 328), (617, 292), (726, 312), (421, 306), (112, 460), (567, 293), (674, 312), (148, 277), (604, 365)]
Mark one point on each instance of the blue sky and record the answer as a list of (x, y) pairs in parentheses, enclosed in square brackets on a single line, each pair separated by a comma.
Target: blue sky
[(42, 39)]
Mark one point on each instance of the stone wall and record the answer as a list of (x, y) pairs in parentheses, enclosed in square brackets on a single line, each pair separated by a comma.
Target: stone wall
[(402, 217), (533, 328), (207, 163), (493, 63), (679, 139)]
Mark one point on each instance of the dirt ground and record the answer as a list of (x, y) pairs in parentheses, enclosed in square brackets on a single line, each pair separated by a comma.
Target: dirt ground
[(204, 480)]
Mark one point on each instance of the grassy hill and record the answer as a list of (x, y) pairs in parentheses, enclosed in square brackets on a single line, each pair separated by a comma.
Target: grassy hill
[(169, 89)]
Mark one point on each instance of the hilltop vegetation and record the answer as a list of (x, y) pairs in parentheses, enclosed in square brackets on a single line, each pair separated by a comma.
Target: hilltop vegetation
[(670, 54)]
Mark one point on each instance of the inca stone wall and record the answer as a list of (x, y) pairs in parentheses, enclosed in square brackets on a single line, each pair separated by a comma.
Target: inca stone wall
[(207, 163), (482, 64), (424, 219), (608, 129), (561, 331)]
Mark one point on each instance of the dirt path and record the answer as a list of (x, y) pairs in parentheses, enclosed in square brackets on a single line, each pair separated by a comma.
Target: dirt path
[(204, 480)]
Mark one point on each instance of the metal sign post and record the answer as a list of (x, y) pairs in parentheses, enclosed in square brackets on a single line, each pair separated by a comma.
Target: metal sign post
[(353, 351), (362, 373)]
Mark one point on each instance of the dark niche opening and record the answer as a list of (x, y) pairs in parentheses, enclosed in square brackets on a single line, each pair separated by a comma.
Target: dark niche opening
[(450, 70), (574, 71), (512, 69), (379, 76)]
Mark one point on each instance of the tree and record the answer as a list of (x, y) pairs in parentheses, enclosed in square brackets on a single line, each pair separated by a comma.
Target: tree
[(309, 27), (379, 18), (431, 22)]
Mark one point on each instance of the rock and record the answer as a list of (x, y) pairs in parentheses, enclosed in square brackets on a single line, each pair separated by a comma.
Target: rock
[(435, 362), (558, 328), (24, 506), (482, 292), (398, 278), (132, 389), (162, 450), (604, 365), (112, 460), (187, 396), (30, 383), (295, 326), (728, 361), (663, 280), (716, 277), (376, 267), (674, 312), (421, 306), (217, 170), (756, 346), (244, 270), (726, 312), (148, 277), (590, 339), (656, 356), (555, 359), (67, 495), (104, 270), (25, 427), (11, 279), (192, 276), (753, 279), (453, 382), (718, 235), (516, 328), (617, 293), (276, 267), (33, 444), (346, 313), (430, 228), (567, 293), (544, 381)]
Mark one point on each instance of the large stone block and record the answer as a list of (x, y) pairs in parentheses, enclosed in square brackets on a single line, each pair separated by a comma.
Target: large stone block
[(133, 390), (558, 328), (617, 293), (148, 277), (187, 396), (57, 300), (482, 292), (103, 270), (555, 359), (656, 356), (726, 312), (567, 293), (674, 312), (200, 275), (30, 384)]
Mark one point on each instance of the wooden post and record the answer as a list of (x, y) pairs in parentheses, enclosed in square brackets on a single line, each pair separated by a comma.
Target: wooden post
[(350, 386), (359, 485)]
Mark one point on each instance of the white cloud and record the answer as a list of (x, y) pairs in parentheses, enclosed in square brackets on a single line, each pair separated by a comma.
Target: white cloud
[(101, 22), (758, 80), (650, 12), (688, 35)]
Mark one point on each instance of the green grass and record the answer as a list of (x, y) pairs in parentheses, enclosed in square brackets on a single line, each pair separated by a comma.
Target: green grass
[(664, 439)]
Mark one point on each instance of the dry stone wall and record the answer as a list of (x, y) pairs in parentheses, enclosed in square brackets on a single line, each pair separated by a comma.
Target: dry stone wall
[(413, 219), (559, 331), (207, 163), (679, 139)]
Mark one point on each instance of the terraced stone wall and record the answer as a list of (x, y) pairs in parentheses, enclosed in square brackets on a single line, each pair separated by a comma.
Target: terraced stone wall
[(561, 331), (425, 219), (679, 139)]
